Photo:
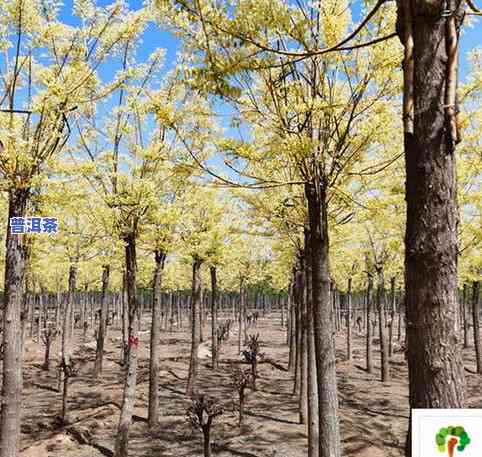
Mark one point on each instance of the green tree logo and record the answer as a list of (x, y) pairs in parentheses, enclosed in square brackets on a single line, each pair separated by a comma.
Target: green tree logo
[(451, 436)]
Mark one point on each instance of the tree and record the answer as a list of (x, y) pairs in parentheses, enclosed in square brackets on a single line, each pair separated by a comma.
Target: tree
[(101, 333), (201, 414), (55, 76), (476, 323), (202, 215), (436, 374)]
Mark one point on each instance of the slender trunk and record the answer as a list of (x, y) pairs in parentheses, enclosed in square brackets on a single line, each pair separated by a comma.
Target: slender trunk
[(207, 441), (214, 318), (195, 329), (292, 332), (240, 314), (155, 349), (282, 306), (385, 368), (15, 264), (41, 316), (241, 407), (178, 311), (329, 431), (303, 401), (66, 327), (128, 397), (348, 323), (244, 317), (297, 339), (392, 317), (32, 305), (369, 351), (313, 406), (476, 322), (464, 316), (101, 333), (58, 303), (46, 365), (125, 318), (400, 316)]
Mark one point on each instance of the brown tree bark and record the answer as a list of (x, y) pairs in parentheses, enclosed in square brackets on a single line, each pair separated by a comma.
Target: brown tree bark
[(381, 306), (392, 317), (12, 345), (298, 332), (313, 406), (128, 397), (369, 339), (329, 428), (155, 349), (303, 399), (125, 319), (292, 331), (214, 318), (195, 332), (401, 310), (101, 333), (436, 373), (476, 322), (348, 324), (464, 316), (240, 313), (66, 328)]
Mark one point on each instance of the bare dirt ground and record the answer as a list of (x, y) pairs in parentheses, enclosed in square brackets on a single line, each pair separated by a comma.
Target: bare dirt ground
[(374, 416)]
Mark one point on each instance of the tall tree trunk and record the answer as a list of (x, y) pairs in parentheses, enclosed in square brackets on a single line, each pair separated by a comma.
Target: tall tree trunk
[(155, 349), (42, 316), (99, 354), (369, 343), (128, 397), (464, 316), (297, 339), (292, 331), (393, 299), (348, 324), (125, 318), (245, 316), (313, 406), (195, 329), (303, 401), (15, 264), (436, 373), (201, 315), (381, 306), (401, 310), (476, 322), (282, 303), (214, 318), (66, 327), (58, 306), (330, 444), (240, 313)]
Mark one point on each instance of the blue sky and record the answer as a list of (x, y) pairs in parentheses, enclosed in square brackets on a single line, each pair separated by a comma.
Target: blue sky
[(154, 37)]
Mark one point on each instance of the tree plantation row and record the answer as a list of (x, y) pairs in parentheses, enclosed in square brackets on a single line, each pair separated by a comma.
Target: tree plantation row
[(267, 182)]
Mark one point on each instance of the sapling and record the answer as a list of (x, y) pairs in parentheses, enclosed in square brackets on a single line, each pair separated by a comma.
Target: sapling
[(48, 337), (69, 370), (84, 334), (201, 414), (241, 379), (251, 355)]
